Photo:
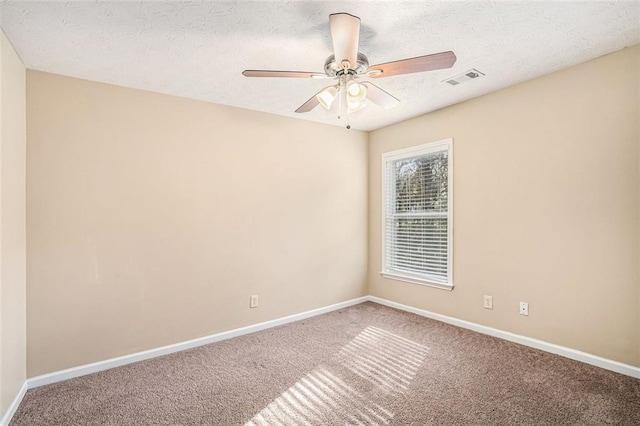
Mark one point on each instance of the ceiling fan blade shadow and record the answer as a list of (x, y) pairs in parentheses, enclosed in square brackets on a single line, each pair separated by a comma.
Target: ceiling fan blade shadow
[(345, 34), (379, 96), (283, 74), (418, 64)]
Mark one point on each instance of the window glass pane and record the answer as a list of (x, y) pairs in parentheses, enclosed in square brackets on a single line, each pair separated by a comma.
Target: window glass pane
[(421, 184)]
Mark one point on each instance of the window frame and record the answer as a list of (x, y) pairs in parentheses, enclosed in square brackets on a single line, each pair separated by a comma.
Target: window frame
[(401, 154)]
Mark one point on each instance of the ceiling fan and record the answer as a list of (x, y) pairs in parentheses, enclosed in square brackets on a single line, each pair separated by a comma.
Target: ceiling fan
[(347, 66)]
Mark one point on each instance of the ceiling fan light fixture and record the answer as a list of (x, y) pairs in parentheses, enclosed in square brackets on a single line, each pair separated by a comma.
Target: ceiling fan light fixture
[(355, 106), (356, 92), (327, 96)]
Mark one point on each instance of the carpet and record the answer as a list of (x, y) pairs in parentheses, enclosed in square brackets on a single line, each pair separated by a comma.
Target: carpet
[(364, 365)]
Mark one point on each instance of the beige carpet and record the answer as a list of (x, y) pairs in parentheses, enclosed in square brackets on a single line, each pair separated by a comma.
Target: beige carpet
[(367, 364)]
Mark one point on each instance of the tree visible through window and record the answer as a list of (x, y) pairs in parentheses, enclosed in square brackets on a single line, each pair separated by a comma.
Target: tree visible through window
[(417, 214)]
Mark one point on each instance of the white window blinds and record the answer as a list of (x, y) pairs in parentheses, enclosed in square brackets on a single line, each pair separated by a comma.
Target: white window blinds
[(417, 214)]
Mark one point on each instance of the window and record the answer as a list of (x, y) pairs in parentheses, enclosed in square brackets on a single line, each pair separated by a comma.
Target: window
[(417, 214)]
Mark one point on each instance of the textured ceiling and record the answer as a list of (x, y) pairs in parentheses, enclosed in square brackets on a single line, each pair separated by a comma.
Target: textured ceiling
[(199, 49)]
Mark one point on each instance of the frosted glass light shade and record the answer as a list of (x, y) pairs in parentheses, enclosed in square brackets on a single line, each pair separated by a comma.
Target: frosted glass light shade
[(355, 106), (356, 92), (327, 96)]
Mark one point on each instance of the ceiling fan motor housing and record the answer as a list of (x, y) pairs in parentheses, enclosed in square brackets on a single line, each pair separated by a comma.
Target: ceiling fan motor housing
[(333, 69)]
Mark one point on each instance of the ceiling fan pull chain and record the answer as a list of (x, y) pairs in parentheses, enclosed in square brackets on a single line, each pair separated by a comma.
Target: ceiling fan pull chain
[(344, 109)]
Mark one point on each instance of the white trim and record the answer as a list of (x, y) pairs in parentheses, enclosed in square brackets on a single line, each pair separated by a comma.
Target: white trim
[(417, 280), (82, 370), (95, 367), (587, 358), (400, 154), (425, 148), (6, 419)]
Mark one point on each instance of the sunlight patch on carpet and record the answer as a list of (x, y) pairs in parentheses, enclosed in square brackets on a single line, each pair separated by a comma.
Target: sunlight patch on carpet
[(375, 361)]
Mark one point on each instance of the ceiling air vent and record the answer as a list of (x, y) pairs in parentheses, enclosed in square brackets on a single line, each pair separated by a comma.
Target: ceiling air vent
[(472, 74)]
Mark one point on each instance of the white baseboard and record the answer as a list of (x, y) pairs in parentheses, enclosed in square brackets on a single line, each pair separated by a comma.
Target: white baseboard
[(607, 364), (14, 406), (95, 367)]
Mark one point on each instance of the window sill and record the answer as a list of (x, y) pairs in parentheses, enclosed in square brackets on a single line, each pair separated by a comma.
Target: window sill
[(415, 280)]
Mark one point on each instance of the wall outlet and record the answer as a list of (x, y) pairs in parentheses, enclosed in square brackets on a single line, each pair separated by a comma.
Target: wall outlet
[(253, 302), (488, 302), (524, 308)]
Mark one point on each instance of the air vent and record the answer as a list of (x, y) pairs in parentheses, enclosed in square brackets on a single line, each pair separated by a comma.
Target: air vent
[(472, 74)]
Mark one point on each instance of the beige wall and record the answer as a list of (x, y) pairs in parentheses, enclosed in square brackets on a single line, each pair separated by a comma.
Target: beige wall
[(546, 203), (12, 225), (152, 219)]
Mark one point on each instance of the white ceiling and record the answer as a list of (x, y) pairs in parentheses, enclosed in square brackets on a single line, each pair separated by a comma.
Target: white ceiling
[(199, 49)]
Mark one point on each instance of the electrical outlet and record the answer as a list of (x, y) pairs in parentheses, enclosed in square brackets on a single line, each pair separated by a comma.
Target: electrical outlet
[(524, 308), (488, 302), (253, 302)]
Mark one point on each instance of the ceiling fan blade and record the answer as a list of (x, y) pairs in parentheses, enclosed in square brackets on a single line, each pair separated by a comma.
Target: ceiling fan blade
[(345, 33), (407, 66), (283, 74), (379, 96), (310, 104)]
